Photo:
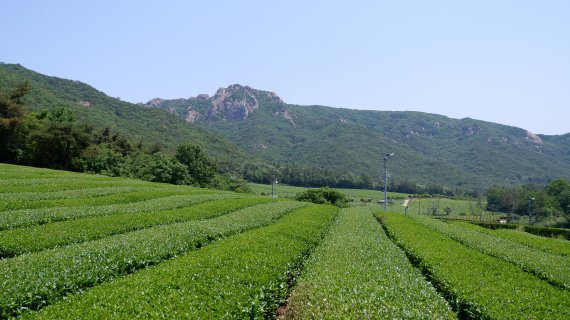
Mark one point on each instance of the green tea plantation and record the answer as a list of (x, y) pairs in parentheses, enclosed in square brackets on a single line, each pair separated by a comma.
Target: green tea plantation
[(80, 246)]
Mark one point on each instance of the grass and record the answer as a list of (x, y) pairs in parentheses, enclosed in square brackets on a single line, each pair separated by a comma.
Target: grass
[(286, 191), (460, 209)]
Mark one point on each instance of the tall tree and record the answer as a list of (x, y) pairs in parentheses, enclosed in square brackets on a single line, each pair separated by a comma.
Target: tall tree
[(12, 130), (58, 139), (201, 169)]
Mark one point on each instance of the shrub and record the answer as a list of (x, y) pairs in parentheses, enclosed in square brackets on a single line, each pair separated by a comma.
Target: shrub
[(324, 195)]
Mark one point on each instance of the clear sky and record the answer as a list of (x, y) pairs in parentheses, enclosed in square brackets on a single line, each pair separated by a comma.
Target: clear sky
[(499, 60)]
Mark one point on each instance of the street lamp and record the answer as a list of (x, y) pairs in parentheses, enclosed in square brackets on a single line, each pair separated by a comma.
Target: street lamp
[(530, 200), (388, 155), (273, 183)]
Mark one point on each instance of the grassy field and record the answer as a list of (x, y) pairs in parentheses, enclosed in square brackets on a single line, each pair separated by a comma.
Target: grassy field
[(285, 191), (79, 246), (460, 209)]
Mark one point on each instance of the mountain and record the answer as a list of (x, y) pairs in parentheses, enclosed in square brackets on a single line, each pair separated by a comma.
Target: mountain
[(428, 148), (242, 125), (152, 126)]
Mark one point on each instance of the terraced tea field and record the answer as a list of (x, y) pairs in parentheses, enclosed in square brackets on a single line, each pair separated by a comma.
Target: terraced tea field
[(476, 278), (78, 246)]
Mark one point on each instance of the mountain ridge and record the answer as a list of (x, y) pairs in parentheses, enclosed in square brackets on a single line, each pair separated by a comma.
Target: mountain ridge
[(157, 102), (465, 145), (245, 125)]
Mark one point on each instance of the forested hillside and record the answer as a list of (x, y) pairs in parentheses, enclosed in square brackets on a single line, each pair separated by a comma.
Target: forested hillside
[(151, 126), (260, 136), (429, 148)]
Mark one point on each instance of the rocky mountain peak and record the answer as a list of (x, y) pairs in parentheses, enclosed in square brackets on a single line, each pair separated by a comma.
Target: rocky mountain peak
[(156, 102), (237, 91), (233, 103)]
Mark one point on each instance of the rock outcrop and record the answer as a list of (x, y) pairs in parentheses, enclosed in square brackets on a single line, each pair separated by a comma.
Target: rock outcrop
[(192, 116), (533, 138), (233, 103), (471, 131), (287, 115), (172, 110), (156, 102)]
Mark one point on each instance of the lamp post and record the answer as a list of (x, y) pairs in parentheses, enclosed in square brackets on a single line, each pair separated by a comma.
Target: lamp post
[(388, 155), (530, 200), (273, 183)]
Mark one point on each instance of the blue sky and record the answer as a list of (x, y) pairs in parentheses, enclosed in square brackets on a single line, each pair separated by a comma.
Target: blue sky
[(500, 61)]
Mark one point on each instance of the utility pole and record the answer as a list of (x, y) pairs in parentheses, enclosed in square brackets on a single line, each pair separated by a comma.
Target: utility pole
[(529, 204), (388, 155)]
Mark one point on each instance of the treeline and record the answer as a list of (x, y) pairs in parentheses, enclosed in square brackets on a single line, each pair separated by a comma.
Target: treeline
[(303, 176), (311, 177), (550, 203), (53, 138)]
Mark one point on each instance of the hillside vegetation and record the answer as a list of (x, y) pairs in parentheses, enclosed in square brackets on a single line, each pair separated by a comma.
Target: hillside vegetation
[(152, 127), (429, 148), (258, 135)]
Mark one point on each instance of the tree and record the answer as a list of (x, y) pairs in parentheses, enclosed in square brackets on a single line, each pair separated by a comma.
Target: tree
[(347, 180), (12, 130), (104, 160), (114, 141), (559, 190), (159, 167), (557, 186), (537, 201), (366, 181), (564, 201), (200, 168), (58, 139), (324, 196), (230, 182)]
